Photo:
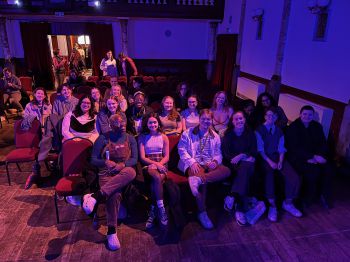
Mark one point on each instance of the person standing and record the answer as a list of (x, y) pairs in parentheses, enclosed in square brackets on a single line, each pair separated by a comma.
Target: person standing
[(126, 66), (109, 65), (12, 90), (59, 63)]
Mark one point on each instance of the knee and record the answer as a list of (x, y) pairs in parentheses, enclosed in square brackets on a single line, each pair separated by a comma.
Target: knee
[(129, 172), (155, 175)]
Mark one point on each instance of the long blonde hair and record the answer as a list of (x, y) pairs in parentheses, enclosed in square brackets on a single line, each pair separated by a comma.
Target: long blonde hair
[(214, 104)]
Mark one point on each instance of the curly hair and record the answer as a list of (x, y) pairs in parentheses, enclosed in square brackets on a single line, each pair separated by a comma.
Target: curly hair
[(145, 129), (78, 112)]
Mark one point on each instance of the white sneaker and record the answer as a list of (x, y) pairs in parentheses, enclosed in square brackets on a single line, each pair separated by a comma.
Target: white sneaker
[(272, 214), (89, 203), (228, 203), (151, 218), (194, 182), (205, 220), (113, 242), (241, 219), (162, 215), (291, 209), (74, 200)]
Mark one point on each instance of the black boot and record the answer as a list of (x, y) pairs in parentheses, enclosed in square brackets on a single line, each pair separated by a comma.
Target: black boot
[(33, 177)]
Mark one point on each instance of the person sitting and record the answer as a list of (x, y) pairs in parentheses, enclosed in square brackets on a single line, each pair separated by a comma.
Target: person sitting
[(39, 108), (98, 101), (81, 122), (115, 155), (248, 107), (200, 159), (114, 82), (190, 116), (239, 150), (136, 113), (109, 65), (137, 86), (181, 97), (154, 155), (222, 113), (51, 138), (74, 80), (270, 141), (12, 90), (103, 124), (264, 101), (116, 91), (307, 152), (169, 117)]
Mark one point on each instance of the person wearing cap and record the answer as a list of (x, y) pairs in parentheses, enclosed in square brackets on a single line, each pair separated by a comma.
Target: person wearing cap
[(136, 113), (126, 66)]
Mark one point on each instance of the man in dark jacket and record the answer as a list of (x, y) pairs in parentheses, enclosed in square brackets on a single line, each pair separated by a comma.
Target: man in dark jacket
[(11, 90), (307, 152)]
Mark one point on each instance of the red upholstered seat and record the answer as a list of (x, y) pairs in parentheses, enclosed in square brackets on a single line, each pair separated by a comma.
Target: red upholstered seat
[(22, 155), (177, 178), (70, 185)]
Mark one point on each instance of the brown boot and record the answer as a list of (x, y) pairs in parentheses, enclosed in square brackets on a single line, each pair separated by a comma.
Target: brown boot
[(33, 177)]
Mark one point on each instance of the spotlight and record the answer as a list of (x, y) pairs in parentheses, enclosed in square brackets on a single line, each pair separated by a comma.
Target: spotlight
[(14, 2), (93, 3)]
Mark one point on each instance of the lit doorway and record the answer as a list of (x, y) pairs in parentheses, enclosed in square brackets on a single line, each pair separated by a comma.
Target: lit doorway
[(76, 50)]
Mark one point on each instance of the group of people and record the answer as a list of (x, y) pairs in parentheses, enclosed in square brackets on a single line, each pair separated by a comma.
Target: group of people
[(215, 144)]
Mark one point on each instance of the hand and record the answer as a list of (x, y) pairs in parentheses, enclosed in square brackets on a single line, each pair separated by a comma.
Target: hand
[(320, 159), (312, 161), (118, 167), (212, 165), (279, 165), (272, 164), (161, 168), (195, 168), (110, 164), (135, 73), (250, 159), (9, 84), (237, 158)]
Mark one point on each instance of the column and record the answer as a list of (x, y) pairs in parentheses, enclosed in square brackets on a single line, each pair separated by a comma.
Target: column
[(213, 26), (237, 67), (124, 36), (275, 83), (4, 43)]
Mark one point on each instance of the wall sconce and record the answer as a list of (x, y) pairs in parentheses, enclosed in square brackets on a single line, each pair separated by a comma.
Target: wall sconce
[(318, 6), (258, 14)]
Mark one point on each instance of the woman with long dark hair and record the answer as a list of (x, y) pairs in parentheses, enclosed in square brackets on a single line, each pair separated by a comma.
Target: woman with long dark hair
[(81, 122), (154, 154)]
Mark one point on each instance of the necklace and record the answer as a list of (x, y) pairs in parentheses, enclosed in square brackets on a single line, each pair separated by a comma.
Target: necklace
[(202, 142)]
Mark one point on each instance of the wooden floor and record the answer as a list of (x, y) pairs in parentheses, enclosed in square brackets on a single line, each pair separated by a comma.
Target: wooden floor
[(28, 231)]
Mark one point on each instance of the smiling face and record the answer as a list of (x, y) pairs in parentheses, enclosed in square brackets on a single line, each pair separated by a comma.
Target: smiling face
[(238, 120), (85, 105), (221, 99), (39, 96), (66, 92), (152, 124), (114, 81), (139, 101), (95, 94), (270, 117), (112, 105), (192, 103), (116, 90), (306, 116), (205, 121), (168, 104), (109, 54), (117, 123)]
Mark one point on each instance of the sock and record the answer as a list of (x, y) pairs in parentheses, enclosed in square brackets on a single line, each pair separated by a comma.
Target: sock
[(111, 230), (288, 201), (160, 203), (98, 196), (272, 202)]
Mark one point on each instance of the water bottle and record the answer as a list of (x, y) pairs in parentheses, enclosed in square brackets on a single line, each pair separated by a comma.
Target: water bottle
[(107, 154)]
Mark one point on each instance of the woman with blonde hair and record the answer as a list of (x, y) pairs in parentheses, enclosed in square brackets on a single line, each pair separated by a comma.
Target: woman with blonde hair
[(169, 117), (222, 113)]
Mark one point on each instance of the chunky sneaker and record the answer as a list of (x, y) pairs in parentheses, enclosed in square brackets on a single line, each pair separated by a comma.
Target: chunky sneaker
[(74, 200), (241, 219), (194, 182), (89, 203), (205, 220), (228, 203), (291, 209), (151, 218), (254, 213), (113, 242), (162, 215), (272, 214)]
